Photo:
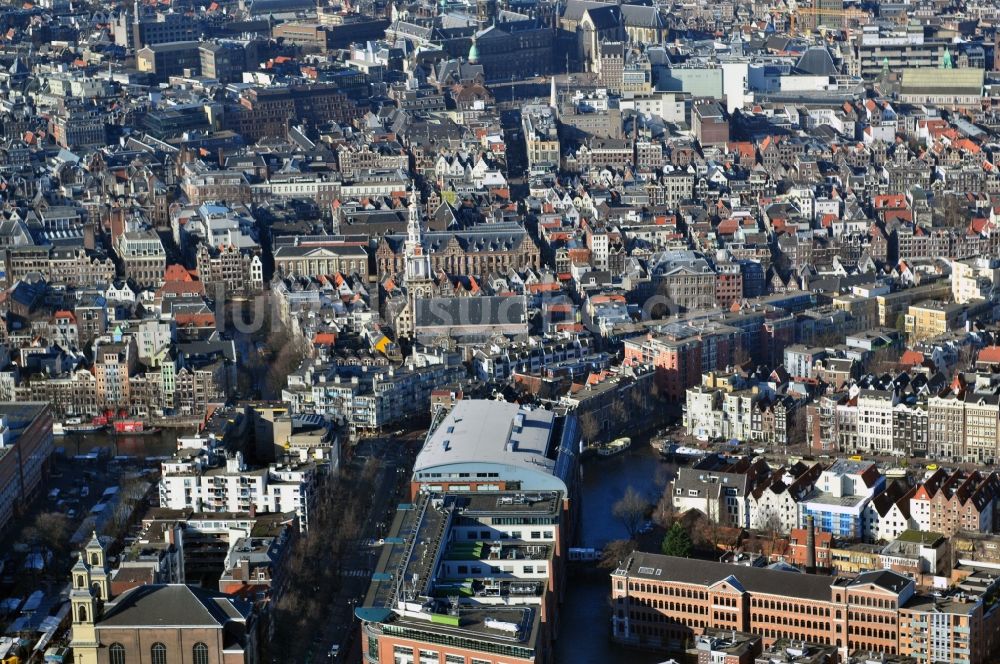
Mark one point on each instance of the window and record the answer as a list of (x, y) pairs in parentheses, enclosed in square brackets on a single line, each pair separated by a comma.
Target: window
[(199, 654), (116, 654), (158, 654)]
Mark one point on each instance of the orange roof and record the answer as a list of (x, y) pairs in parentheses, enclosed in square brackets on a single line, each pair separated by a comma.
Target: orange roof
[(966, 144), (325, 339), (728, 227), (198, 319), (177, 272), (912, 358), (890, 200), (989, 355), (978, 225)]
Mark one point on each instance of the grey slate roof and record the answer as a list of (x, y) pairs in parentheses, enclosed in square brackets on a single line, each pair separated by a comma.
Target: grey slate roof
[(753, 579), (817, 61), (458, 312), (173, 605), (486, 238), (605, 17)]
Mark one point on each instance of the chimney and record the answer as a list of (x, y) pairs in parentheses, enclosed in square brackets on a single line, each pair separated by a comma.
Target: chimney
[(810, 545)]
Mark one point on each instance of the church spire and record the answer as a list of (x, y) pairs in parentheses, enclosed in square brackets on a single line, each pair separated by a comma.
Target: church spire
[(413, 230), (418, 265)]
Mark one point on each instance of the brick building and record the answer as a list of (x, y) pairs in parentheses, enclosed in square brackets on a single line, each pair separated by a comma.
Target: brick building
[(25, 446), (661, 602), (269, 111), (709, 124), (162, 624), (682, 354), (475, 251)]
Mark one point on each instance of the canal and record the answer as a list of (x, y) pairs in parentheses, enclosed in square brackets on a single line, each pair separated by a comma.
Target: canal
[(585, 616), (159, 444)]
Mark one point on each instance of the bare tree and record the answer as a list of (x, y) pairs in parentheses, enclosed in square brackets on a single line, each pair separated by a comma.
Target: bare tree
[(741, 357), (708, 533), (590, 428), (316, 562), (954, 213), (615, 553), (798, 426), (884, 360), (53, 530), (664, 513), (630, 510), (771, 528)]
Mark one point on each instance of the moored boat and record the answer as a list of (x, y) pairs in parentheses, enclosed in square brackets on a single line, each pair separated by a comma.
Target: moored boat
[(616, 446)]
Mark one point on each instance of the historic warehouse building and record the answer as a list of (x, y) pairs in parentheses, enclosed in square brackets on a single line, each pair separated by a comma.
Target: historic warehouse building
[(662, 602)]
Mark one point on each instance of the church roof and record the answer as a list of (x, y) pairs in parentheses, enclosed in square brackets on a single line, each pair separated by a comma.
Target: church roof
[(605, 17), (173, 605), (817, 61), (490, 237)]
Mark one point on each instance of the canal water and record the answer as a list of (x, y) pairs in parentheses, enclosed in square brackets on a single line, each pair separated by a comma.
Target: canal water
[(585, 616), (159, 444)]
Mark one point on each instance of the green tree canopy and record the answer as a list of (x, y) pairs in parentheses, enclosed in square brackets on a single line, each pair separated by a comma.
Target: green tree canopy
[(677, 542)]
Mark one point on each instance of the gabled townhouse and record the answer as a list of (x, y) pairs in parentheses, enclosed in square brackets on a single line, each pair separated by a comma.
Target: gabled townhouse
[(920, 501), (965, 502), (774, 505), (720, 494), (838, 501), (887, 515)]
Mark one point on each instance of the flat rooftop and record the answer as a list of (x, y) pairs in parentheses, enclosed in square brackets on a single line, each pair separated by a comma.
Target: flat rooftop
[(490, 432), (823, 498), (408, 594)]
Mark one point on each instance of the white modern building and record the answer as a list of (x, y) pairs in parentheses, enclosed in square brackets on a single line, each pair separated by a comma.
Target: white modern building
[(485, 445), (195, 479), (838, 501)]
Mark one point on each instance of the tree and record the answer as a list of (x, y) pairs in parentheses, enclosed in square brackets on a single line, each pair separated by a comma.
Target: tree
[(741, 357), (663, 513), (54, 530), (885, 360), (590, 428), (677, 542), (954, 212), (630, 510), (798, 426), (707, 533), (615, 553)]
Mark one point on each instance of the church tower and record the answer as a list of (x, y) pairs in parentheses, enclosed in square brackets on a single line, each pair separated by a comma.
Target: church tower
[(83, 605), (97, 562), (90, 590), (417, 276), (418, 263)]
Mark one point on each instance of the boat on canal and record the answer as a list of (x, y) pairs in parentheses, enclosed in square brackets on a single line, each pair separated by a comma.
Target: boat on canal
[(133, 428), (616, 446), (76, 425)]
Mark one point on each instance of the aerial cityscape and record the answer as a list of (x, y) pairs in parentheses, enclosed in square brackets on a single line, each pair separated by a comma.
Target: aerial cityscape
[(500, 332)]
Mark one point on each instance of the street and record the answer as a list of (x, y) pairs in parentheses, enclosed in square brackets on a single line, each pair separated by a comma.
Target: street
[(391, 485)]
